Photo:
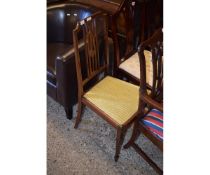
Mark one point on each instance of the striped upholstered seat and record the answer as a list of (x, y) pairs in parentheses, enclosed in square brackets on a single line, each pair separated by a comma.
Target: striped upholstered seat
[(154, 122)]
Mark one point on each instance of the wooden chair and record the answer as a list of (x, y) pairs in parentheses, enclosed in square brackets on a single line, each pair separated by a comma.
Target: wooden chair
[(116, 101), (127, 66), (150, 121)]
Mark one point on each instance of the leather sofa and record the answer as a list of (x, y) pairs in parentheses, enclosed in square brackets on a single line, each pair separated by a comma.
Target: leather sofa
[(61, 72)]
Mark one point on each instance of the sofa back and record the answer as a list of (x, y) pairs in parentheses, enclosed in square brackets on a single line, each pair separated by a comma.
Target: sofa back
[(62, 19)]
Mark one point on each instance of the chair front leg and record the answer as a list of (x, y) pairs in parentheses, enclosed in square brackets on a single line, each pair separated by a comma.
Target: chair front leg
[(134, 136), (119, 141)]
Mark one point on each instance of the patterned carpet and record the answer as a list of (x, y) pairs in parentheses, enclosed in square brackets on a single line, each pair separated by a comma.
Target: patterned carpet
[(90, 148)]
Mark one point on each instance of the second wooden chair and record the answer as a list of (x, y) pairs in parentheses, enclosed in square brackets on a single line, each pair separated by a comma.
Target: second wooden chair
[(150, 121), (128, 66)]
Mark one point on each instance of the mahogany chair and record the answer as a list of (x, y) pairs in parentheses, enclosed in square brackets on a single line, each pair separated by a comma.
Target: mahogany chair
[(114, 100), (150, 120), (127, 66)]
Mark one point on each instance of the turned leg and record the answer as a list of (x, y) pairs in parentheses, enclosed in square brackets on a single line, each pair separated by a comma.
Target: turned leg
[(134, 136), (119, 141), (79, 112), (69, 112)]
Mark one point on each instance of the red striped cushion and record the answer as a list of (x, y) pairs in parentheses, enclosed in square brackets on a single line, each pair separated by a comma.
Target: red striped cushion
[(154, 122)]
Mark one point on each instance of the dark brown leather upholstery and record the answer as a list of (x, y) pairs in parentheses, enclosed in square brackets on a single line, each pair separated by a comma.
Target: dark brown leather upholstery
[(61, 73)]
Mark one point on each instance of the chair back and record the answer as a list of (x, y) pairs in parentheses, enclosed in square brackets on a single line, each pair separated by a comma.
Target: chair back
[(155, 45), (154, 17), (123, 33), (95, 54)]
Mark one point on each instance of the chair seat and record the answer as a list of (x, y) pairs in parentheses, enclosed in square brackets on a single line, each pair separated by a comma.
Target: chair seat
[(154, 122), (132, 66), (116, 98)]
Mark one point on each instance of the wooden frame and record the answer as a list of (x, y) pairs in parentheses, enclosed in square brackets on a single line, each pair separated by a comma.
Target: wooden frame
[(148, 17), (130, 49), (127, 10), (90, 36), (152, 100)]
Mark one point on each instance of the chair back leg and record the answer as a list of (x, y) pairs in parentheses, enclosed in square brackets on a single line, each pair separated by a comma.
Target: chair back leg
[(79, 113)]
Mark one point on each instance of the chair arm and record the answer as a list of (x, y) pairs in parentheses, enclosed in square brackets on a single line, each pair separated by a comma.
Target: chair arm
[(147, 99)]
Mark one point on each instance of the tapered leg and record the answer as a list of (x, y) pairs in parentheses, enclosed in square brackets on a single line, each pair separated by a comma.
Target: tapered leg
[(134, 136), (79, 112), (69, 112), (119, 141)]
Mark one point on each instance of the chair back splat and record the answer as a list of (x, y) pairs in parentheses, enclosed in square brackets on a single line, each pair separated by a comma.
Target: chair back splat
[(155, 46), (91, 29)]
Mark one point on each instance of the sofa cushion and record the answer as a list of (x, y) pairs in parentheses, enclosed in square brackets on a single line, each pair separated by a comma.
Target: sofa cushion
[(51, 77)]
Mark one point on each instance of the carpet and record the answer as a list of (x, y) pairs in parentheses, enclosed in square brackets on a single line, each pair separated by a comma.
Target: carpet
[(89, 150)]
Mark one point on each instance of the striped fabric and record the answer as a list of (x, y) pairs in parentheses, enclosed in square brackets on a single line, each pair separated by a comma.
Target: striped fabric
[(154, 122)]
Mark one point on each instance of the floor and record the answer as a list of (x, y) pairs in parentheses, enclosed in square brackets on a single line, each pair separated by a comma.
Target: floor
[(90, 148)]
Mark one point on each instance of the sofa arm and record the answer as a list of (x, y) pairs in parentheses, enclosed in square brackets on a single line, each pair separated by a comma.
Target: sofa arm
[(69, 54), (66, 77)]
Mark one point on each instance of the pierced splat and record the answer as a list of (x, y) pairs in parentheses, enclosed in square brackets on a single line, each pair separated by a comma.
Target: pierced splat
[(94, 35), (91, 46), (155, 45)]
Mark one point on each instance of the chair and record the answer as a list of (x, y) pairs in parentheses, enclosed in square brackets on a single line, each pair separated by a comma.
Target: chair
[(108, 96), (150, 120), (127, 66)]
